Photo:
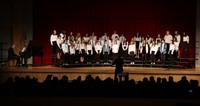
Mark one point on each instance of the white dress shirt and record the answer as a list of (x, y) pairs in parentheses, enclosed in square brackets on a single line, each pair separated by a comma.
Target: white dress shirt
[(171, 48), (131, 48), (154, 48), (77, 46), (176, 46), (115, 48), (178, 37), (148, 40), (186, 39), (72, 50), (137, 38), (98, 47), (65, 48), (118, 42), (86, 38), (82, 46), (168, 39), (53, 38), (23, 49), (59, 42), (89, 48)]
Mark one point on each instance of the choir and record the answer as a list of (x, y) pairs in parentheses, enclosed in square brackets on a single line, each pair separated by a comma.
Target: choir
[(77, 49)]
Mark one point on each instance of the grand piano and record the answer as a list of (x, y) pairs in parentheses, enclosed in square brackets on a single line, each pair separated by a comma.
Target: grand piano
[(35, 49)]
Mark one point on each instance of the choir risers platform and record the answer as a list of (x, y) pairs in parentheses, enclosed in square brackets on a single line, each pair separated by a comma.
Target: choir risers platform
[(180, 63), (125, 65)]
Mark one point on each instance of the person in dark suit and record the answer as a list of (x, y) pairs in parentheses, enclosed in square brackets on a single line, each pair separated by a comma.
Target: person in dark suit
[(118, 67), (24, 54), (163, 51), (12, 55)]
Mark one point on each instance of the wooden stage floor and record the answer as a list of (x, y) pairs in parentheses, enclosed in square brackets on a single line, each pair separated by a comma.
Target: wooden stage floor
[(136, 73)]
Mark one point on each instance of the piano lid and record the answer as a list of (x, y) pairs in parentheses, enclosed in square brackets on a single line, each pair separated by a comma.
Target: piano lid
[(34, 46)]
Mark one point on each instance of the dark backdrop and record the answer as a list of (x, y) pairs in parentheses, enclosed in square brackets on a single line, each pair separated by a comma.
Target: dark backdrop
[(124, 16)]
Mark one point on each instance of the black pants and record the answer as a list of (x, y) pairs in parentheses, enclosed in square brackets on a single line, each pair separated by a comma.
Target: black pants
[(106, 57), (175, 55), (89, 56), (153, 56), (65, 58), (77, 57), (132, 55), (172, 59), (24, 57), (72, 58), (25, 60), (54, 48), (185, 49), (115, 56), (144, 58), (167, 50), (163, 56), (97, 57), (158, 55)]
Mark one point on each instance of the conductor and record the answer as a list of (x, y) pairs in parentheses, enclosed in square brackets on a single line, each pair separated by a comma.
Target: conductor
[(118, 67)]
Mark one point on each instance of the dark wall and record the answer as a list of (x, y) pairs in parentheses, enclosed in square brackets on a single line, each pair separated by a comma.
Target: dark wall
[(5, 26), (125, 16), (16, 24)]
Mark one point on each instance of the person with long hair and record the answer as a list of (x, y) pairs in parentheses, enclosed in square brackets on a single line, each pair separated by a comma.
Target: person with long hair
[(137, 40), (171, 52), (185, 44), (176, 51), (115, 50), (65, 51), (177, 39), (89, 52), (82, 51), (53, 41), (72, 53), (144, 51), (132, 51), (98, 50), (153, 51), (125, 48), (77, 51)]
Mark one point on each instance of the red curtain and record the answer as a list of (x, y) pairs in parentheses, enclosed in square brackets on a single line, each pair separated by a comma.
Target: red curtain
[(124, 16)]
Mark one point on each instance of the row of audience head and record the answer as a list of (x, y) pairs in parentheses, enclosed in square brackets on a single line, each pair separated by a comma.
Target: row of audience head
[(95, 86)]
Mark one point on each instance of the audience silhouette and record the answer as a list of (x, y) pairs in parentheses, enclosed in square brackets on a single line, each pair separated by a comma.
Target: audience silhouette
[(96, 87)]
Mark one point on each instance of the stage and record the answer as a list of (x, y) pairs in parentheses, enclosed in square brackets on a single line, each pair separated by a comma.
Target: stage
[(136, 73)]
